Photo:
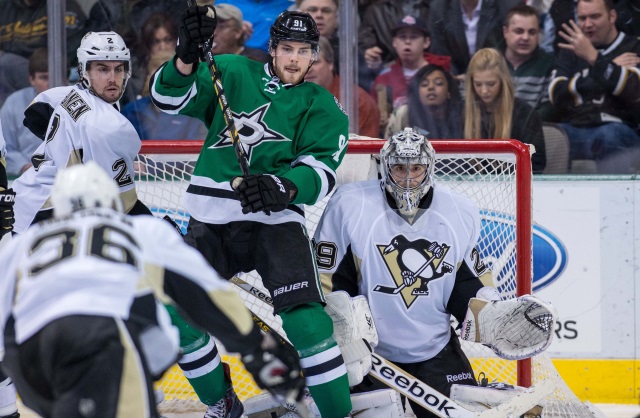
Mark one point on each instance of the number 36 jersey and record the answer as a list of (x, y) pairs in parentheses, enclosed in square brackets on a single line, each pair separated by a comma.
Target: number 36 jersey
[(95, 262), (411, 274), (83, 127)]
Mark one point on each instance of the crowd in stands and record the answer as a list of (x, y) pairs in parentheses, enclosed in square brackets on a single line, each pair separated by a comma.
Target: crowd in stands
[(454, 68)]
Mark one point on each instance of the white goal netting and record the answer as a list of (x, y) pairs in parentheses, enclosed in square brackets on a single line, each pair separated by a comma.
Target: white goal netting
[(494, 174)]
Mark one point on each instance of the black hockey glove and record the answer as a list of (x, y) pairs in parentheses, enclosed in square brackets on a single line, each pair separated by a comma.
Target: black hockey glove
[(197, 25), (275, 366), (263, 192), (7, 198)]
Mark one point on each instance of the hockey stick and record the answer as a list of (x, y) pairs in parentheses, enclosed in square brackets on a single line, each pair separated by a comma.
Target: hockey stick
[(395, 290), (414, 389), (243, 160)]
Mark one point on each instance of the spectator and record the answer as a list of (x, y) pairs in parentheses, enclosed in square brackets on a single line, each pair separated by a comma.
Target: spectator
[(23, 28), (410, 40), (322, 73), (529, 65), (260, 14), (21, 143), (628, 16), (596, 85), (230, 37), (493, 111), (23, 25), (159, 33), (461, 27), (434, 105), (325, 14), (374, 35), (152, 123), (376, 30)]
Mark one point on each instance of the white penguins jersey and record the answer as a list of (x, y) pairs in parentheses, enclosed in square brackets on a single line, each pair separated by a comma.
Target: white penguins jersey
[(413, 322), (94, 262), (83, 127)]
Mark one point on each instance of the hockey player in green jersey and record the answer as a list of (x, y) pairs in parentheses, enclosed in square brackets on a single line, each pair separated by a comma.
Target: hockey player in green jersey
[(295, 136)]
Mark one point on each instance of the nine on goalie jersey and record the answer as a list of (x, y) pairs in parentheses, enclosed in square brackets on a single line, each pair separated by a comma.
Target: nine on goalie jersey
[(93, 262), (413, 324), (83, 127), (298, 132)]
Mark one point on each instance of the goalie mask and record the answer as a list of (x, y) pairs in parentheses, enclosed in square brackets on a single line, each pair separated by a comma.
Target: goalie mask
[(84, 186), (407, 162), (103, 46)]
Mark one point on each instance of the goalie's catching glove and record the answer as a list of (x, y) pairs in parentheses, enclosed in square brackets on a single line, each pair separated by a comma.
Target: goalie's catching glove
[(275, 366), (7, 199), (514, 329), (263, 192), (197, 25)]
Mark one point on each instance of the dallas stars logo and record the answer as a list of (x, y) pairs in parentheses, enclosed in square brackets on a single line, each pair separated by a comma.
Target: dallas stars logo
[(252, 131)]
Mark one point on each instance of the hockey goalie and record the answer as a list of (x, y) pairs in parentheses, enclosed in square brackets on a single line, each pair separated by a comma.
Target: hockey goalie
[(407, 245)]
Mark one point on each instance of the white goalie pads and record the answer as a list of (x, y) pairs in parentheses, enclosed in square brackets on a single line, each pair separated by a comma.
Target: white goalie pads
[(514, 329), (352, 326), (375, 404), (479, 398)]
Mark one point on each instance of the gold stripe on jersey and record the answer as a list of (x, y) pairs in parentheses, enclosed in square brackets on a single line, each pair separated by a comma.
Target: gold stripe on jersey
[(228, 301), (129, 199), (154, 278), (133, 400)]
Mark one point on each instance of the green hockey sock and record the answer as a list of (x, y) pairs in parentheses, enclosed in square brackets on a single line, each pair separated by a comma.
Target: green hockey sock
[(310, 330), (200, 362)]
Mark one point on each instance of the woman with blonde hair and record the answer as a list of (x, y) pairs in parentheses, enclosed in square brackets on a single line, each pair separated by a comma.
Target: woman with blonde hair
[(493, 111)]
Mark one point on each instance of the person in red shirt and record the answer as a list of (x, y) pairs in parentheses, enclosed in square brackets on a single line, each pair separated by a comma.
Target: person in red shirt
[(410, 40)]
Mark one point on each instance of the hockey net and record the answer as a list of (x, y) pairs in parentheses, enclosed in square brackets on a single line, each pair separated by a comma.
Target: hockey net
[(495, 174)]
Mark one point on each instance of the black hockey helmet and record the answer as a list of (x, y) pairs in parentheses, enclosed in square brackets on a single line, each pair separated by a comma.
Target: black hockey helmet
[(294, 26)]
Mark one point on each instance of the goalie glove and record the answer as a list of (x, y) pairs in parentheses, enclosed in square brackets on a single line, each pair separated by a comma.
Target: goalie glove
[(263, 192), (197, 25), (7, 199), (275, 366), (514, 329)]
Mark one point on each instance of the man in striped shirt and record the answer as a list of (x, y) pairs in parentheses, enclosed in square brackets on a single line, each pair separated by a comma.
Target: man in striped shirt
[(530, 66)]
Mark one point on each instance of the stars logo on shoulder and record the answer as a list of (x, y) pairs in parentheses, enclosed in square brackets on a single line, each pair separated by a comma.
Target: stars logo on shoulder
[(252, 130)]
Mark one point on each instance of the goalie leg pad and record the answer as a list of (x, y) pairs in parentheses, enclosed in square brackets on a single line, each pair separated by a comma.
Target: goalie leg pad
[(354, 331), (514, 329), (378, 403)]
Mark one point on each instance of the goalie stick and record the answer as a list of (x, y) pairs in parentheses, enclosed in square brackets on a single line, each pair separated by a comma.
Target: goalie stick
[(414, 389), (243, 160)]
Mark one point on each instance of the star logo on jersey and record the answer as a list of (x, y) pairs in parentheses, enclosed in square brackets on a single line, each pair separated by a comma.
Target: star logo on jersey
[(413, 265), (252, 131)]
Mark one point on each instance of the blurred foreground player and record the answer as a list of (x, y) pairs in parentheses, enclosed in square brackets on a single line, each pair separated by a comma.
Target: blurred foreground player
[(85, 331)]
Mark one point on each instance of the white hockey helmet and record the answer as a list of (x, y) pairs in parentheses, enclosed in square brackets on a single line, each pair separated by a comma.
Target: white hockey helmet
[(407, 187), (84, 186), (102, 46)]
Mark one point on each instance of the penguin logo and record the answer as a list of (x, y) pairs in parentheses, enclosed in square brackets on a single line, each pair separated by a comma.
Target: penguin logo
[(412, 265)]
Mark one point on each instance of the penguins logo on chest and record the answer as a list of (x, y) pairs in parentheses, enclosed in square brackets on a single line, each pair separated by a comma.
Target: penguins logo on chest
[(412, 266)]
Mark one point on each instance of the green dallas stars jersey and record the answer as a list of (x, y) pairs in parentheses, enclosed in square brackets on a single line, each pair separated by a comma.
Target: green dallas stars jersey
[(298, 132)]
